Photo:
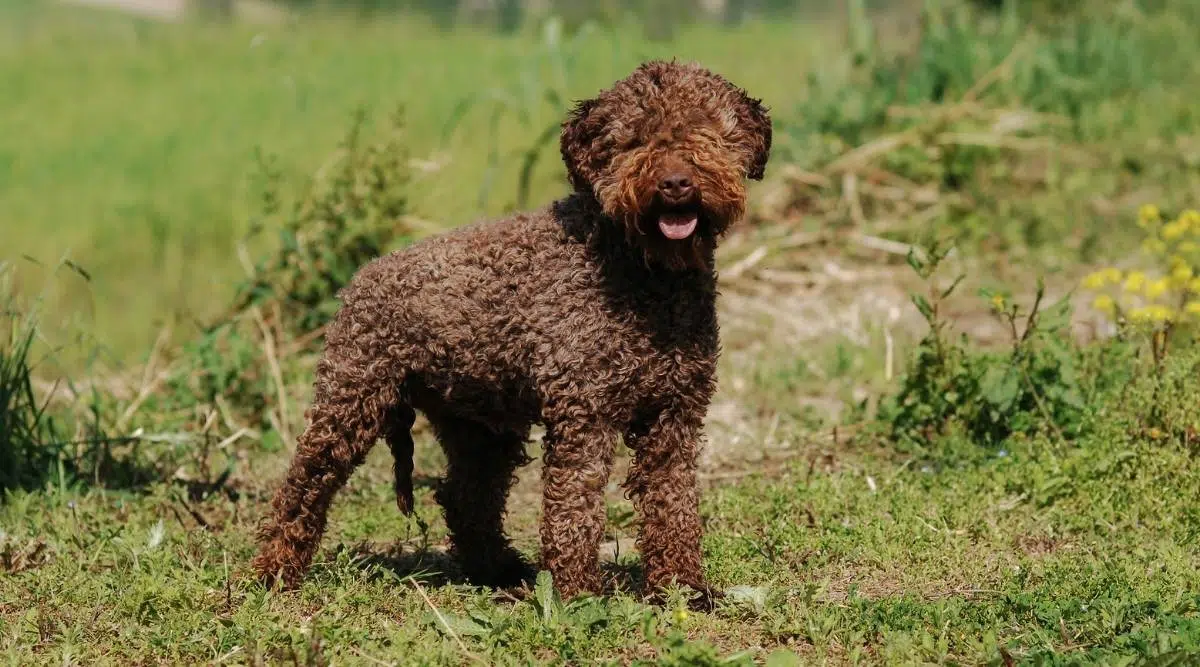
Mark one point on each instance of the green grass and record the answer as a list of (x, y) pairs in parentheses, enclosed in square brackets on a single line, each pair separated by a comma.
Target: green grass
[(875, 494), (1055, 553)]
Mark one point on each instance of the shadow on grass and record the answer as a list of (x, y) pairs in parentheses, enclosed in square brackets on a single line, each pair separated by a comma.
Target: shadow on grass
[(430, 566), (434, 567)]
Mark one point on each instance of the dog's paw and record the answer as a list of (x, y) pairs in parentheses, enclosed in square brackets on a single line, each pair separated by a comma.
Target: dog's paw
[(274, 571)]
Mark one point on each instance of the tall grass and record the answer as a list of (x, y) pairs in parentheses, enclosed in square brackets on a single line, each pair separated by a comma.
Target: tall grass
[(56, 431), (26, 431)]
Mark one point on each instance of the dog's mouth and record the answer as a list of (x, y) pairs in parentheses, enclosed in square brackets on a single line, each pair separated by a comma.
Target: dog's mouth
[(677, 220), (678, 225)]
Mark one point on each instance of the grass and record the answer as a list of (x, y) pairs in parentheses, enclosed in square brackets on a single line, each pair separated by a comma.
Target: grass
[(1049, 553), (918, 452)]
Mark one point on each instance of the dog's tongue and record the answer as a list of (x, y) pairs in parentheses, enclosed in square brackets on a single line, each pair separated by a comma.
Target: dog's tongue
[(677, 226)]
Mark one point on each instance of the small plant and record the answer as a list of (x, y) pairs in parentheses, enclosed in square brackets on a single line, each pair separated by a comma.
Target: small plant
[(940, 374), (1038, 384), (673, 647), (1161, 302), (234, 379), (986, 395), (351, 213)]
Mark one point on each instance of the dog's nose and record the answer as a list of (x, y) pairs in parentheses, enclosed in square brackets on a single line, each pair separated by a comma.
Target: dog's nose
[(676, 186)]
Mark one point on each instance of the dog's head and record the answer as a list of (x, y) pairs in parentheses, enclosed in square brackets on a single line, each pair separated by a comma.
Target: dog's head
[(666, 152)]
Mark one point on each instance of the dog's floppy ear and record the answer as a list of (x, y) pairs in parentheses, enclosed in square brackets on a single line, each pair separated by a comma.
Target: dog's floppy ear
[(753, 119), (576, 143)]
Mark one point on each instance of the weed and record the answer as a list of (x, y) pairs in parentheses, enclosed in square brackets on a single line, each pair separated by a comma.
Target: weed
[(988, 396), (544, 81), (43, 438), (234, 381), (981, 120), (352, 212)]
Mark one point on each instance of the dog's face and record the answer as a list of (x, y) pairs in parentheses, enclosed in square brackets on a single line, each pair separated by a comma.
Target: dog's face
[(666, 151)]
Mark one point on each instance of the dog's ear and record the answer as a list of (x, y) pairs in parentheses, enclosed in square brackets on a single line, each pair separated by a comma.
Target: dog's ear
[(576, 143), (753, 119)]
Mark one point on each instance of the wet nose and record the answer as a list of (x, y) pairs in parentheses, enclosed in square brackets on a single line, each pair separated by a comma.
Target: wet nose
[(676, 186)]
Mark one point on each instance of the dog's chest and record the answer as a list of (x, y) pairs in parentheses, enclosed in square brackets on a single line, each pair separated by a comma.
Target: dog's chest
[(673, 344)]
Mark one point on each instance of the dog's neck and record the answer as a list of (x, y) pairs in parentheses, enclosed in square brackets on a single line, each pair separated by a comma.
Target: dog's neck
[(584, 221)]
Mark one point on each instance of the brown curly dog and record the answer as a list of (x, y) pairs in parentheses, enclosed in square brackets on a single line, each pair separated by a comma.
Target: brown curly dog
[(595, 317)]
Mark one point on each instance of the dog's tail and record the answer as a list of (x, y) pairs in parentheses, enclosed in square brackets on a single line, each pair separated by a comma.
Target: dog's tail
[(399, 440)]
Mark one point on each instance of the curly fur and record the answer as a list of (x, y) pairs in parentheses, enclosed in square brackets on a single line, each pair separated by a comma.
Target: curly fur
[(584, 317)]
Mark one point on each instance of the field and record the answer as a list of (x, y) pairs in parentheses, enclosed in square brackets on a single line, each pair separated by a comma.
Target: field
[(956, 419)]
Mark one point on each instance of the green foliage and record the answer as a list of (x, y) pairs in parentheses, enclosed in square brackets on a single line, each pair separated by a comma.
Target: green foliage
[(1157, 404), (1065, 533), (1057, 553), (1035, 387), (1078, 70), (675, 650), (234, 379), (1006, 129), (543, 83), (352, 212)]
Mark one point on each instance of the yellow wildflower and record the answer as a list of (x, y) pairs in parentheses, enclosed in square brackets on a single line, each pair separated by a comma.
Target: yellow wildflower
[(1153, 246), (1112, 275), (1094, 280), (1161, 314), (1135, 281), (1188, 247), (1148, 215), (1105, 304), (1191, 217), (1155, 314), (998, 301), (1174, 230), (1181, 274), (681, 615), (1192, 308), (1194, 285), (1157, 288)]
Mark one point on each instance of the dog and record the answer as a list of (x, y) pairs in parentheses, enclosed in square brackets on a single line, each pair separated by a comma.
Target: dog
[(594, 317)]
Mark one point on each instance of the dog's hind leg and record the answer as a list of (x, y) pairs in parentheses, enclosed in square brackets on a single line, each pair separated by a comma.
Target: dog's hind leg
[(347, 417), (479, 473)]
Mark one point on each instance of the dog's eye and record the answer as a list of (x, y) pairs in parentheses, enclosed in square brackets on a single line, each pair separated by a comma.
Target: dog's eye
[(627, 141)]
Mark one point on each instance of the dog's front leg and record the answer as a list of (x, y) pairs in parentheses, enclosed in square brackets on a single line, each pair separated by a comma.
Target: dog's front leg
[(662, 483), (578, 459)]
